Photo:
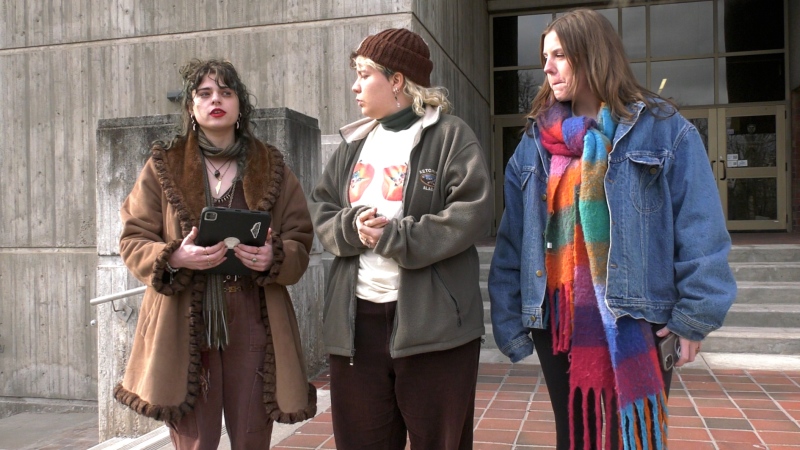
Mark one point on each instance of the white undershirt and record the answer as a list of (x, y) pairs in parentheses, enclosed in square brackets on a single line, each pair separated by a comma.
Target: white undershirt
[(378, 181)]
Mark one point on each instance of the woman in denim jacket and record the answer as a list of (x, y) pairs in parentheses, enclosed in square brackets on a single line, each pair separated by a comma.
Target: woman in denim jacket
[(612, 238)]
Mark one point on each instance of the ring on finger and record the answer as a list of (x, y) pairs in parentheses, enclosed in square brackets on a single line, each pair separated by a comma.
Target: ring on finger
[(254, 260)]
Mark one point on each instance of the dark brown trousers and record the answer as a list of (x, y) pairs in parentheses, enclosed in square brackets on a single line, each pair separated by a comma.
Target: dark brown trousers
[(377, 401), (234, 386)]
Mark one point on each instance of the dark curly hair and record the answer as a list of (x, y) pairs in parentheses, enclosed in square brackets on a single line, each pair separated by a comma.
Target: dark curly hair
[(224, 75)]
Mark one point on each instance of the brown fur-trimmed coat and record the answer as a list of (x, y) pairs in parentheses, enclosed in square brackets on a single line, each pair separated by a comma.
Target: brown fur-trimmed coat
[(162, 377)]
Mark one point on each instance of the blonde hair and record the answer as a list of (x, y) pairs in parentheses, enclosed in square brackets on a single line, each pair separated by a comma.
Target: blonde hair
[(435, 96)]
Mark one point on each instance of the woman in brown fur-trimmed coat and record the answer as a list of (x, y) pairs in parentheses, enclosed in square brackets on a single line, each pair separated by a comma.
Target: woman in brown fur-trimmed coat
[(209, 343)]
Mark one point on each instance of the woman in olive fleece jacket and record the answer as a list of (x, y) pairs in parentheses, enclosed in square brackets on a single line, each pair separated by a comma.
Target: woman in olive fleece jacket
[(401, 204), (439, 303)]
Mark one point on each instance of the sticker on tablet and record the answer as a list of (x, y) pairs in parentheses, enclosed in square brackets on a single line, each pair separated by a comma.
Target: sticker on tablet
[(255, 229)]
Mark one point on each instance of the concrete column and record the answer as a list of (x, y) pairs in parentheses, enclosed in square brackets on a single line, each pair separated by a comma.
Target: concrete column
[(122, 149)]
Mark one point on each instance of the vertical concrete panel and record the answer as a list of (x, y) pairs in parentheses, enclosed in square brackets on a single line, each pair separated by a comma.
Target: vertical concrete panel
[(48, 344), (14, 228), (41, 172)]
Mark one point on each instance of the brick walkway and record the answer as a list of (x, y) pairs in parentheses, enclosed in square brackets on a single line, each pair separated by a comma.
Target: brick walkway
[(714, 409)]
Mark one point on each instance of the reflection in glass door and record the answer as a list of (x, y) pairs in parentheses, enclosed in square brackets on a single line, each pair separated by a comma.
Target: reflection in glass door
[(747, 150)]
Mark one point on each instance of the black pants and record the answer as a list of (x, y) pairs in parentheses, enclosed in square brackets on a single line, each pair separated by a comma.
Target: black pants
[(556, 375), (377, 400)]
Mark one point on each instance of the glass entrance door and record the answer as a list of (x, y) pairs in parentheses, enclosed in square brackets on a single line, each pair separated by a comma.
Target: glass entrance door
[(507, 134), (747, 151)]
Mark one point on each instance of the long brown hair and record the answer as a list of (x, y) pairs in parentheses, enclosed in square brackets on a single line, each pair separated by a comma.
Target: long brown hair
[(593, 47)]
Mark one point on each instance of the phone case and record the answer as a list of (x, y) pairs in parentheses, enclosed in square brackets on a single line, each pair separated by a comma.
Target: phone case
[(233, 226), (669, 351)]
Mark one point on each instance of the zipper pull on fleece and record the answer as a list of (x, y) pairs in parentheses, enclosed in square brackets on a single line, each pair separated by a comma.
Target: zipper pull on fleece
[(352, 354)]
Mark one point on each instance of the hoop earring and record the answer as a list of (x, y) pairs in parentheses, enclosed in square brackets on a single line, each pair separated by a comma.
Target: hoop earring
[(194, 123), (237, 121), (395, 98)]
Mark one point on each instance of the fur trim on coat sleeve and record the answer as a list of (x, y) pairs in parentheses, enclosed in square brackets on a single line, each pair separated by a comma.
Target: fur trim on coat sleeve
[(161, 281), (278, 255)]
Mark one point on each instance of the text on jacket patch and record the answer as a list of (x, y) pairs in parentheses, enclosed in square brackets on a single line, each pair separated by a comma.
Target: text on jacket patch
[(428, 179)]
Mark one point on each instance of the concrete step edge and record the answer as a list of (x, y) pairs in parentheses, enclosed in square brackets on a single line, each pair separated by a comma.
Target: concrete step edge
[(112, 444), (767, 264), (786, 308), (765, 247), (770, 284), (781, 333)]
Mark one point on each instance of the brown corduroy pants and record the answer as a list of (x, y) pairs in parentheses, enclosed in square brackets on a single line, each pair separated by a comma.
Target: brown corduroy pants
[(377, 401), (234, 386)]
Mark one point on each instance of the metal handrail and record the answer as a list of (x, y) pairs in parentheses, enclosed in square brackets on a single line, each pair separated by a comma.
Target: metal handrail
[(112, 297)]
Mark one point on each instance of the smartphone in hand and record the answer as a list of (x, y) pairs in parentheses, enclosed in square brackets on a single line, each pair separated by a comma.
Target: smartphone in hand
[(669, 351)]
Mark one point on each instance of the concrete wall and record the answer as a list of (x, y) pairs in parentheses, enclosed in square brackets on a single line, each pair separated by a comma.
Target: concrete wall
[(296, 135), (67, 65)]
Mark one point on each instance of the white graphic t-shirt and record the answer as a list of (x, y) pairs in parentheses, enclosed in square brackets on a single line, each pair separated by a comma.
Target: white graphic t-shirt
[(378, 181)]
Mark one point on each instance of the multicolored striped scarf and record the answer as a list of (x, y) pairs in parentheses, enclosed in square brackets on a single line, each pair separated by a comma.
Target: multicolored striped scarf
[(613, 361)]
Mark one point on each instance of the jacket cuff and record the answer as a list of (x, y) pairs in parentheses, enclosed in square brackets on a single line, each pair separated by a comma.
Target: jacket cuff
[(351, 235), (518, 349), (278, 255), (162, 280), (687, 328)]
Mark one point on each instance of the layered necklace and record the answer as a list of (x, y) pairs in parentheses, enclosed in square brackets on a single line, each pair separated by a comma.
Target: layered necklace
[(226, 165)]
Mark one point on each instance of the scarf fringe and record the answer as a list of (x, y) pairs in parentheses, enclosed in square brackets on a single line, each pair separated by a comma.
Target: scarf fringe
[(603, 411), (644, 422), (561, 321)]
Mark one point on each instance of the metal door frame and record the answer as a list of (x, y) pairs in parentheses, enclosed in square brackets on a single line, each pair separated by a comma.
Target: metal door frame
[(717, 154)]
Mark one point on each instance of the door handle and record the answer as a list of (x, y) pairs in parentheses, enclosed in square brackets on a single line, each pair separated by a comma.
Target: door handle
[(724, 170)]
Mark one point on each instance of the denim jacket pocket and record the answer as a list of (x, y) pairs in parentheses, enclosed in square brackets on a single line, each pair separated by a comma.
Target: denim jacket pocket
[(647, 184)]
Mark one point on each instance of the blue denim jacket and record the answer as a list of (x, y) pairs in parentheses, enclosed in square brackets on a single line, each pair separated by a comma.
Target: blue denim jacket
[(668, 259)]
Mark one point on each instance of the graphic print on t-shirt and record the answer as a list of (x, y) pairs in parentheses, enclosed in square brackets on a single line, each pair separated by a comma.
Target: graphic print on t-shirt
[(392, 182), (362, 177)]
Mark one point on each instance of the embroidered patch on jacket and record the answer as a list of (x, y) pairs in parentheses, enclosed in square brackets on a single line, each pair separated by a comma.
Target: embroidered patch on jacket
[(428, 179)]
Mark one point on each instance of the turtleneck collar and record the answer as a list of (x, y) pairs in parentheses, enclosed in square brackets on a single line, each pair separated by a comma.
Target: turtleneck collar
[(399, 121)]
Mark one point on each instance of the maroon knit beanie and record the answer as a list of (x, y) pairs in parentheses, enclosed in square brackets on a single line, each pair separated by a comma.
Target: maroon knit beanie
[(400, 50)]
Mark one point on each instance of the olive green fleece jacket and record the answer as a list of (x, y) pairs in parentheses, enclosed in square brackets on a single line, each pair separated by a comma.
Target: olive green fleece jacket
[(447, 206)]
